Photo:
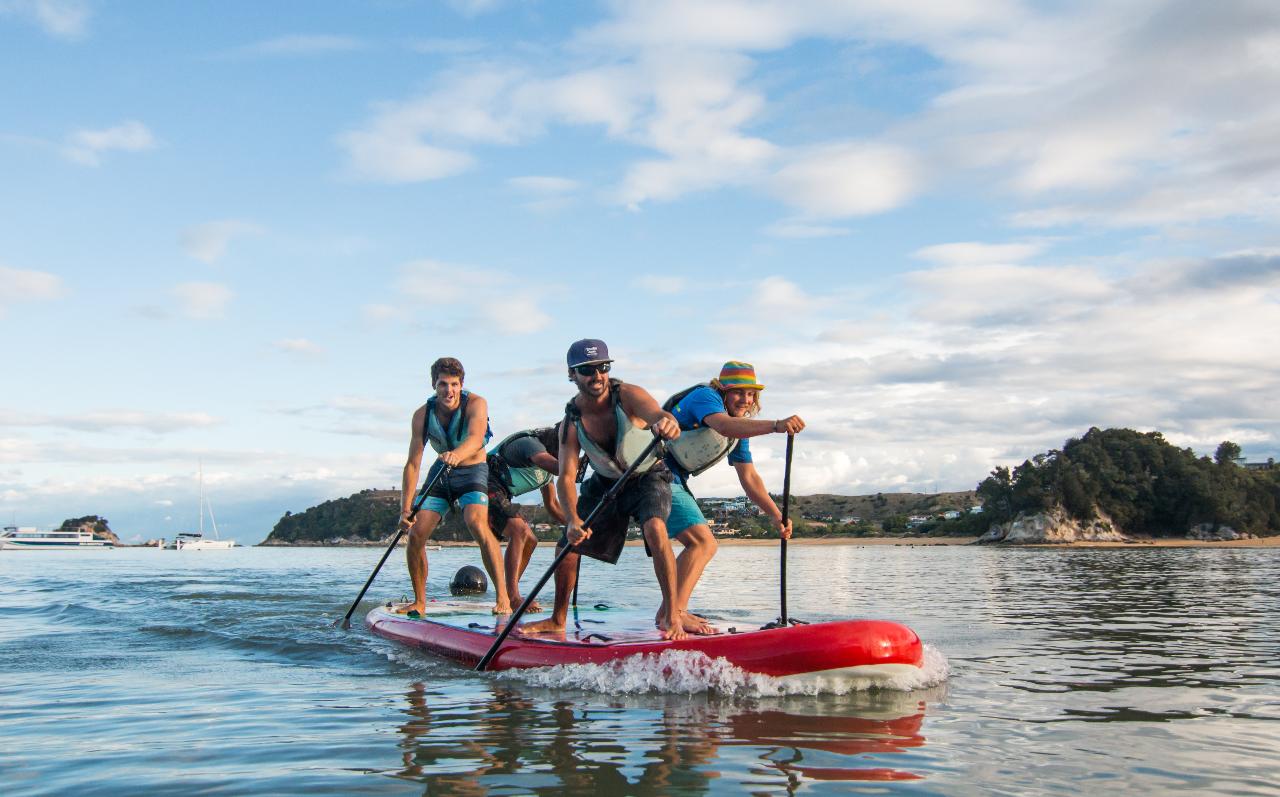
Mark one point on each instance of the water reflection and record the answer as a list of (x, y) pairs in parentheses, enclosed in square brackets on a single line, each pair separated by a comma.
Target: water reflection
[(531, 740)]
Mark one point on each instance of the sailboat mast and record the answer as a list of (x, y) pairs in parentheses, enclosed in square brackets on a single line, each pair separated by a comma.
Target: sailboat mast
[(200, 479)]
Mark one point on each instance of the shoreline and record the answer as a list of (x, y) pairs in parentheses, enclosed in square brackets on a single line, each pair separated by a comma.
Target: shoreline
[(1161, 542)]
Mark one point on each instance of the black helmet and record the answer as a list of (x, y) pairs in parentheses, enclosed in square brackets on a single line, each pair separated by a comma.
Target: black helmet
[(469, 580)]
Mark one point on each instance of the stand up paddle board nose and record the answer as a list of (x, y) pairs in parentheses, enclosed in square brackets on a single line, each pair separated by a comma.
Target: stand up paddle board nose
[(469, 580)]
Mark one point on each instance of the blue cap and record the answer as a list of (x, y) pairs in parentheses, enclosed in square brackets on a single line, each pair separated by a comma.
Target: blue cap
[(588, 350)]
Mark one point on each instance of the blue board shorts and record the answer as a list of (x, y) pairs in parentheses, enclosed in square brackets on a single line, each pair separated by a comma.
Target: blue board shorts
[(684, 511), (463, 485)]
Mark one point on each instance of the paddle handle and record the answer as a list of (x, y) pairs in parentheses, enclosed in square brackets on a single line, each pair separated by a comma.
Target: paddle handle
[(786, 512), (542, 582), (417, 504)]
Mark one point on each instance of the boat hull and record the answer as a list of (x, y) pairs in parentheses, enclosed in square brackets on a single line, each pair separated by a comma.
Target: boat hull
[(874, 649)]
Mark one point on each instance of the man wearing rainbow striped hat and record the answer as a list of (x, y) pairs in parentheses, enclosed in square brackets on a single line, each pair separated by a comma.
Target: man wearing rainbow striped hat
[(715, 421)]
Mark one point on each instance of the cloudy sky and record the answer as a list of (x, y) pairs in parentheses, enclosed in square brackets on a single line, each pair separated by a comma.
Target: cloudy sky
[(949, 235)]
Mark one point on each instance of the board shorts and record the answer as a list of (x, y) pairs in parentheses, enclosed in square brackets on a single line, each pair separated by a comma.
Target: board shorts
[(684, 511), (464, 485), (501, 507), (643, 498)]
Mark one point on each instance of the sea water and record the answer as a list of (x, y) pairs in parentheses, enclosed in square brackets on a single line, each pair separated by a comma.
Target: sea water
[(1049, 671)]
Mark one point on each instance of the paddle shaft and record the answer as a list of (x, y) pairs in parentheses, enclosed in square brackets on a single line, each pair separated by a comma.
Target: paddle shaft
[(417, 504), (786, 510), (542, 582)]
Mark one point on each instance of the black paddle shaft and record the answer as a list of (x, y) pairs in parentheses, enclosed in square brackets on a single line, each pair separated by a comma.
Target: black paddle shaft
[(417, 504), (786, 510), (542, 582)]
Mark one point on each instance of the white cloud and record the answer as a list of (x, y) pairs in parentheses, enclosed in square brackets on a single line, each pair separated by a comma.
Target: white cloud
[(208, 242), (23, 285), (86, 146), (852, 179), (202, 299), (1000, 293), (544, 185), (63, 19), (378, 313), (112, 420), (390, 155), (974, 253), (303, 44), (445, 286), (298, 346), (795, 228)]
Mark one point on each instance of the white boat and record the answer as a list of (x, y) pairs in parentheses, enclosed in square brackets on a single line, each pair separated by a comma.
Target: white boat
[(31, 539), (195, 540)]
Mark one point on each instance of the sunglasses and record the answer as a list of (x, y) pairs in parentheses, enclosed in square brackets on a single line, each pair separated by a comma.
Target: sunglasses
[(591, 370)]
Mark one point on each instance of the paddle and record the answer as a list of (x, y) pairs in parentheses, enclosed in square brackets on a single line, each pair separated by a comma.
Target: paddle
[(542, 582), (786, 508), (417, 504)]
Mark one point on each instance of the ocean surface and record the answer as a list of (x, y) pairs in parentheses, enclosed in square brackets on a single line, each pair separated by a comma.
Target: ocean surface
[(1135, 671)]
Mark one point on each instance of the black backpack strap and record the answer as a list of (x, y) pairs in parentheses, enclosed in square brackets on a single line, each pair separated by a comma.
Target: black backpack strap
[(670, 404)]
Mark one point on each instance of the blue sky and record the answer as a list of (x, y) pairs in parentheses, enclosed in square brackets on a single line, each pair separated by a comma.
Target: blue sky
[(950, 236)]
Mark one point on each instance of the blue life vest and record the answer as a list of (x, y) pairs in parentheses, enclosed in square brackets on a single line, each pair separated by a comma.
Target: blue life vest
[(442, 439)]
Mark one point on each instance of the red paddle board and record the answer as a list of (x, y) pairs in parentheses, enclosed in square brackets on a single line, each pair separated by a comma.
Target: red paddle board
[(875, 649)]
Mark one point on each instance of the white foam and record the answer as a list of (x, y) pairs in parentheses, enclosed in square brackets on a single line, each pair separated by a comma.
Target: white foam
[(689, 672)]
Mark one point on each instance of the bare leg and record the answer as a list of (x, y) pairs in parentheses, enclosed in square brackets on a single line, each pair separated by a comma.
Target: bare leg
[(699, 546), (520, 545), (566, 577), (416, 558), (664, 567), (477, 520)]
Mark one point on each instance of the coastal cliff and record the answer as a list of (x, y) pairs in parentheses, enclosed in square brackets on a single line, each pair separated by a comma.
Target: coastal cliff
[(1054, 526)]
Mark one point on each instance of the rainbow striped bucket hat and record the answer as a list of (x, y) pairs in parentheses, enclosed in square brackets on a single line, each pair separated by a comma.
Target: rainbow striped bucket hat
[(741, 375)]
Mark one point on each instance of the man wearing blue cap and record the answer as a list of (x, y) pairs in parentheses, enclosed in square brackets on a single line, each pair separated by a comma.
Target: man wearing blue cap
[(612, 423)]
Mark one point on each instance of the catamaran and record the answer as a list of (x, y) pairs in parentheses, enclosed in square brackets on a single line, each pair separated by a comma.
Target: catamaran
[(196, 541), (30, 539)]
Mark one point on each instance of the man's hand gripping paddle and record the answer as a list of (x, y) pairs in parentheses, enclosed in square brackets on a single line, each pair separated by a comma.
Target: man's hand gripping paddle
[(542, 582)]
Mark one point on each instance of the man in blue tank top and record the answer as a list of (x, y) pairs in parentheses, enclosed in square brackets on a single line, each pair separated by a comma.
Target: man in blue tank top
[(521, 463), (723, 410), (455, 423), (612, 423)]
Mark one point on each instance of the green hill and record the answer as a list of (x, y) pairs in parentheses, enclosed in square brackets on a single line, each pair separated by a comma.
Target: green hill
[(1143, 483), (369, 517)]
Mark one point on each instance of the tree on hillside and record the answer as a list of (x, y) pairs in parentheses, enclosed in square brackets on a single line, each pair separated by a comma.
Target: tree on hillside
[(1227, 453)]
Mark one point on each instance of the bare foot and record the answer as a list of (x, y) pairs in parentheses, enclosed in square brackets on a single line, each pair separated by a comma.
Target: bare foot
[(697, 625), (673, 630), (502, 607), (547, 626), (405, 608), (533, 607)]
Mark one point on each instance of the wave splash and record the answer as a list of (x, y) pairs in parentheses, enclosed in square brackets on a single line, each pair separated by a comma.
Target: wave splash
[(691, 672)]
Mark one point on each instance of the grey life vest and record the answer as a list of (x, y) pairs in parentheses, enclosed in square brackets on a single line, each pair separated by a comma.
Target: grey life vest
[(520, 480), (442, 439), (696, 449), (629, 440)]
